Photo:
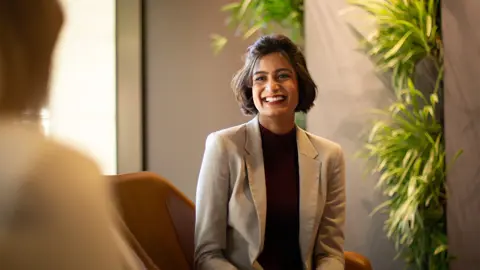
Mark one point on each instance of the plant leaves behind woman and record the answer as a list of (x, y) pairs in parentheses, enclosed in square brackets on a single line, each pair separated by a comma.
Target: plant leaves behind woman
[(407, 150), (407, 32), (261, 17)]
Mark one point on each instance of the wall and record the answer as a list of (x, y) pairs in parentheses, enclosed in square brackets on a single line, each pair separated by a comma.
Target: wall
[(348, 89), (82, 108), (188, 89), (462, 128), (129, 86)]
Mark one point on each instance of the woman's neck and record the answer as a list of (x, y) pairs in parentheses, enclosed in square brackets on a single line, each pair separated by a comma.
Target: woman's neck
[(277, 125)]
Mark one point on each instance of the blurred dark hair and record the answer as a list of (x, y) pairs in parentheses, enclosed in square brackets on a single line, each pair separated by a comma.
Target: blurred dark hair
[(242, 81), (28, 31)]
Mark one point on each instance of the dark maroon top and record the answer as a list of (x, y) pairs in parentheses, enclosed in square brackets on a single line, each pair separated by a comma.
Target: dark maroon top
[(281, 247)]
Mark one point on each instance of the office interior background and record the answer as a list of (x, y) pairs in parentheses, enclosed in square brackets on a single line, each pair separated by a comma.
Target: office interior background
[(137, 87)]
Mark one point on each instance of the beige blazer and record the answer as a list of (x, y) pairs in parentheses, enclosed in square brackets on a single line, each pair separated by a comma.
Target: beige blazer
[(231, 201)]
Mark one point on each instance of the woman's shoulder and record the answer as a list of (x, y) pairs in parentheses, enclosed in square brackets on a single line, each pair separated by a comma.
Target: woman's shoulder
[(63, 165), (323, 145), (230, 132), (232, 135), (27, 153), (30, 159), (67, 159)]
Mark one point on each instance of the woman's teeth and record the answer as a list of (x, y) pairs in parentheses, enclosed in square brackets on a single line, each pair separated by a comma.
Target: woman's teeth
[(273, 99)]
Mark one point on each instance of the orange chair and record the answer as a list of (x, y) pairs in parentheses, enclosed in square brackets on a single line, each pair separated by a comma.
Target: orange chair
[(355, 261), (161, 223), (137, 248), (160, 217)]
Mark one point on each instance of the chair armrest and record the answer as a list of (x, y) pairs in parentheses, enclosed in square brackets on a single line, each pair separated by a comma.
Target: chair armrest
[(355, 261)]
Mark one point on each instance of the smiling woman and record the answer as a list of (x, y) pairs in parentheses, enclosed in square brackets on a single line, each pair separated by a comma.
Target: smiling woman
[(292, 60), (270, 163)]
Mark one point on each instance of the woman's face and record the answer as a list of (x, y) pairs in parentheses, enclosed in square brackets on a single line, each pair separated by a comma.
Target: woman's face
[(275, 86)]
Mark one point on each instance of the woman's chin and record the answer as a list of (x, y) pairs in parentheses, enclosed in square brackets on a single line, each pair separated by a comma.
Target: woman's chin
[(277, 112)]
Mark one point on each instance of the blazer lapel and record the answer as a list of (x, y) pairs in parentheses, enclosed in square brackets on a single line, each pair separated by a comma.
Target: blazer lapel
[(309, 186), (309, 175), (256, 180)]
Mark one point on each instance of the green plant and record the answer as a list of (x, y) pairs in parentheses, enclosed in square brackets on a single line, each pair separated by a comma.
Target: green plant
[(407, 149), (406, 145), (407, 32), (249, 17)]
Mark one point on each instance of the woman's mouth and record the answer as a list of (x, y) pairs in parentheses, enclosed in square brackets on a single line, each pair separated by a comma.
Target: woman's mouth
[(274, 99)]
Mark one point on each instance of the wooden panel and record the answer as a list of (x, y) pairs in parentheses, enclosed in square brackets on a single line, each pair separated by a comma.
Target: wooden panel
[(462, 127)]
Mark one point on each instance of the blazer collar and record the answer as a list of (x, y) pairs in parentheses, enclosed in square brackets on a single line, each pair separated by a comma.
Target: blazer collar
[(309, 187), (256, 183), (253, 142)]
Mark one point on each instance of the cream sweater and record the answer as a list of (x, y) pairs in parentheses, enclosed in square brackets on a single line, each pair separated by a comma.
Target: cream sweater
[(56, 212)]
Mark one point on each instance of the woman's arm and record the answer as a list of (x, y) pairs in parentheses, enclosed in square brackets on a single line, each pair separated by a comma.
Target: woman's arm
[(330, 239), (211, 207)]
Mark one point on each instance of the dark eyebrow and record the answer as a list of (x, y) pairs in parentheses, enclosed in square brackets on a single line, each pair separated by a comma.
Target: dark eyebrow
[(276, 71)]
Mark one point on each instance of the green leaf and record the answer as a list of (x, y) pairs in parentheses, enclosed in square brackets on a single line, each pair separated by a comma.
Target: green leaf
[(429, 26), (440, 249), (231, 6), (434, 98), (244, 7), (218, 43), (248, 17), (397, 46), (253, 30), (383, 205)]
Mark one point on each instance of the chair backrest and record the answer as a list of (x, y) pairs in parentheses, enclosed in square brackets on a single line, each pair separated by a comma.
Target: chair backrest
[(137, 247), (160, 217)]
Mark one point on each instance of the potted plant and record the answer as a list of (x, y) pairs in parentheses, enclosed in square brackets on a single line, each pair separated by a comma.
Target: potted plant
[(406, 145), (406, 148)]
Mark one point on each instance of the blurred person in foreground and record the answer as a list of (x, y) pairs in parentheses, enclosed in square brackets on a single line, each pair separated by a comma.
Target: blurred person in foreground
[(56, 212)]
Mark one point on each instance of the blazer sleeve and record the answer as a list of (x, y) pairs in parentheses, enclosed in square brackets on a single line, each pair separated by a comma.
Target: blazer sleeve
[(211, 207), (330, 239)]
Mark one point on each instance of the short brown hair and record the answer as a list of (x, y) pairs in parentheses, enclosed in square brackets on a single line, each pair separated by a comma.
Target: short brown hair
[(242, 81)]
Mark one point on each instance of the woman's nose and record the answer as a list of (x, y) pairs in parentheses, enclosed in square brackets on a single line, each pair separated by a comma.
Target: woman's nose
[(272, 85)]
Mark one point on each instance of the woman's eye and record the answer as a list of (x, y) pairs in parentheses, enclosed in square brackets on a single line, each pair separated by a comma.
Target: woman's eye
[(283, 76), (260, 79)]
